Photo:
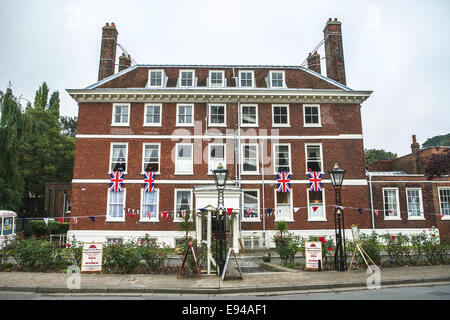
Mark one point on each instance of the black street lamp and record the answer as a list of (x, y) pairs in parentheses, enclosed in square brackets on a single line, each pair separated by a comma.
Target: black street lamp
[(340, 255), (220, 178)]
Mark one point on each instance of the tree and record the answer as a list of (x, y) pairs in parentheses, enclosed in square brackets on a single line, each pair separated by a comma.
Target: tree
[(11, 181), (443, 140), (438, 165), (68, 125), (46, 155), (186, 223), (372, 155)]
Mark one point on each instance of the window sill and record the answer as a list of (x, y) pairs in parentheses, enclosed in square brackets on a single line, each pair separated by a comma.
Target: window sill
[(148, 220), (115, 220), (120, 124), (184, 125), (445, 218), (416, 218), (152, 125), (249, 125), (215, 125), (312, 126), (392, 219), (286, 220), (183, 174), (250, 173), (317, 220), (251, 220), (281, 125)]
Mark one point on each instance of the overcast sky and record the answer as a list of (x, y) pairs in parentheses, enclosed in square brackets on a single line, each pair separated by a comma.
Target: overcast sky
[(398, 49)]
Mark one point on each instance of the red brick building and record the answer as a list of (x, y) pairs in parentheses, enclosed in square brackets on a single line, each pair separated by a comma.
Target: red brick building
[(404, 199), (180, 121)]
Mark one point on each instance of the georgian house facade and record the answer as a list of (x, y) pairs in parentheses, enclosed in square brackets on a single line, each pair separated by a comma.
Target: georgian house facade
[(181, 121)]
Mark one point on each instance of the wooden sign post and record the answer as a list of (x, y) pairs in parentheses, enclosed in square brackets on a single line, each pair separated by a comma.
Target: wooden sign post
[(92, 257), (357, 240), (225, 267), (192, 250)]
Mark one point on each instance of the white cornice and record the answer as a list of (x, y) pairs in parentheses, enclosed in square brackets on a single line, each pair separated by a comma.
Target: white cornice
[(225, 95)]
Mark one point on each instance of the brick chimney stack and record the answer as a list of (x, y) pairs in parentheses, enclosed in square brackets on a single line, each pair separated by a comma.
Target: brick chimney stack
[(415, 147), (124, 62), (314, 62), (108, 51), (334, 51)]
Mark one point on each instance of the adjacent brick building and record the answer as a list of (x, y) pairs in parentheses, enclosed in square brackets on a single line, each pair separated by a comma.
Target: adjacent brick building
[(180, 121), (404, 198)]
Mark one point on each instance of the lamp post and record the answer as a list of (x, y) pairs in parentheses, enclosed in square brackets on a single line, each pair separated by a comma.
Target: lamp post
[(340, 255), (220, 178)]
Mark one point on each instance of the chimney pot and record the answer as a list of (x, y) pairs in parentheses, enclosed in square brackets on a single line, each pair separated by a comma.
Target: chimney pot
[(414, 138), (107, 24), (107, 52)]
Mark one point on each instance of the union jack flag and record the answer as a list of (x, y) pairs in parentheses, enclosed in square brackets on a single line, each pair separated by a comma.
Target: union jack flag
[(149, 181), (116, 184), (315, 181), (284, 182)]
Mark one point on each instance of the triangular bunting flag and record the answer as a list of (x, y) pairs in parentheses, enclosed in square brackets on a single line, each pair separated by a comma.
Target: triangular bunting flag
[(202, 210), (183, 213), (376, 212), (148, 215), (92, 218), (315, 208), (46, 221), (229, 210), (269, 211), (360, 210), (60, 221), (75, 220), (296, 209), (164, 215)]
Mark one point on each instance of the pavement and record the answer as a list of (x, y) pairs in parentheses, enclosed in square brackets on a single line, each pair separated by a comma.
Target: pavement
[(280, 281)]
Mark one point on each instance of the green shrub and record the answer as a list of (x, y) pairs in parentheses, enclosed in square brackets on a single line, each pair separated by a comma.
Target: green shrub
[(37, 228), (372, 246), (397, 248), (33, 253), (123, 257), (287, 246), (154, 256), (200, 250)]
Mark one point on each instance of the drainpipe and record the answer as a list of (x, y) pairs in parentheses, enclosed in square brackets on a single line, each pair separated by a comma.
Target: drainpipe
[(371, 199), (263, 194)]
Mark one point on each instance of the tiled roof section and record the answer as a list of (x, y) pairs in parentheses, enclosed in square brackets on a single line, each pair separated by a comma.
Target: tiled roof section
[(295, 76)]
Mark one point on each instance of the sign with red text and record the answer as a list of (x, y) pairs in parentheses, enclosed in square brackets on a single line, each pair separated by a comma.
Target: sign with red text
[(313, 253), (92, 257)]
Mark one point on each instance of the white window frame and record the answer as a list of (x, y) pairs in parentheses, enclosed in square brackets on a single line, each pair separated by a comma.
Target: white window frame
[(159, 156), (111, 154), (145, 218), (178, 124), (224, 124), (151, 124), (253, 78), (274, 156), (224, 163), (256, 116), (177, 172), (398, 216), (210, 78), (421, 216), (277, 218), (258, 207), (120, 124), (179, 78), (313, 144), (310, 210), (312, 125), (163, 77), (288, 124), (243, 145), (444, 217), (175, 218), (284, 78), (116, 219)]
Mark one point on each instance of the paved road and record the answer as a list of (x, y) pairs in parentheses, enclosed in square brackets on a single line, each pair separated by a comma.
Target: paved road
[(436, 292)]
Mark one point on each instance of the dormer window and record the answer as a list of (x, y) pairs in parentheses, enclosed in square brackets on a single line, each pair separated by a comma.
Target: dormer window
[(186, 78), (156, 78), (246, 79), (277, 79), (216, 78)]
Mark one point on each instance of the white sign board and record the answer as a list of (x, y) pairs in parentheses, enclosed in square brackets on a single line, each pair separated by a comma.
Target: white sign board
[(91, 259), (313, 253)]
